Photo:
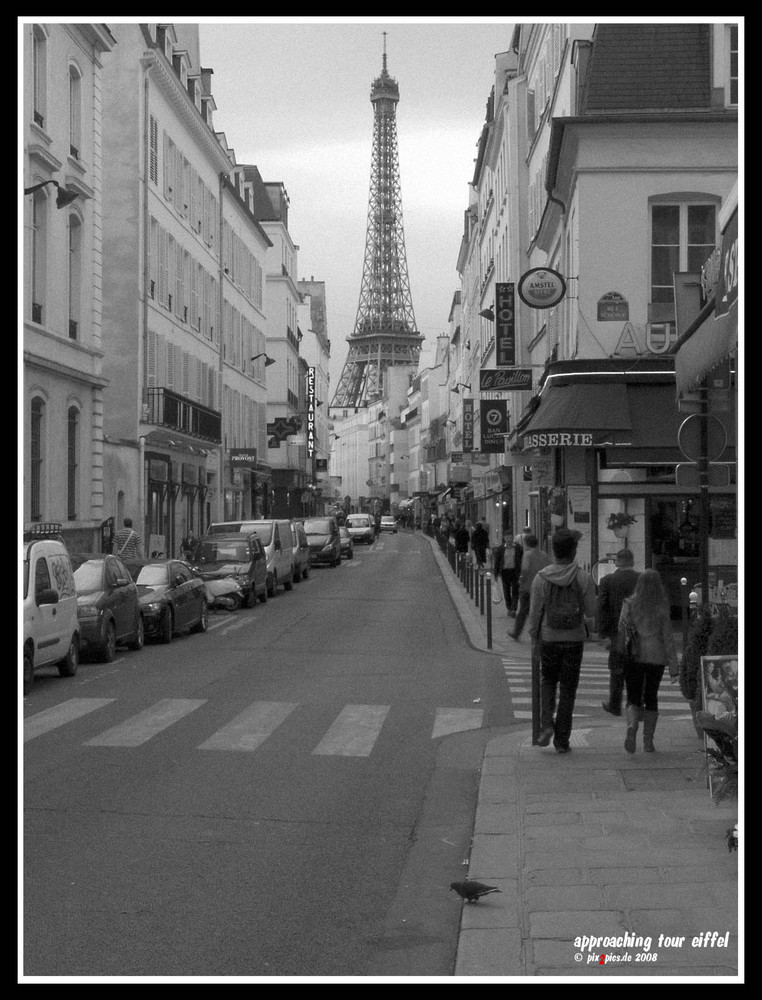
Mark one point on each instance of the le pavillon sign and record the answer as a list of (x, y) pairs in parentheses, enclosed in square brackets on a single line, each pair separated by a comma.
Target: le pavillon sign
[(541, 287), (505, 323), (505, 379)]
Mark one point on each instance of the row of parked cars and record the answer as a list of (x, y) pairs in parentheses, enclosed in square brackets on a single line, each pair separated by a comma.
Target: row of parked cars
[(85, 604)]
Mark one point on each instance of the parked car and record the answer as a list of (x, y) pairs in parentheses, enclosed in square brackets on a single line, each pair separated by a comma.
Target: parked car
[(240, 556), (323, 536), (361, 528), (172, 599), (51, 625), (301, 551), (275, 536), (345, 539), (107, 605), (389, 523)]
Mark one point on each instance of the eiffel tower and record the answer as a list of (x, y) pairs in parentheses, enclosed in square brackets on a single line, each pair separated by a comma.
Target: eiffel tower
[(385, 333)]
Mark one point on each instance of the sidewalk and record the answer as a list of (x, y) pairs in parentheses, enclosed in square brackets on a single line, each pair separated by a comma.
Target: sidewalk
[(597, 843)]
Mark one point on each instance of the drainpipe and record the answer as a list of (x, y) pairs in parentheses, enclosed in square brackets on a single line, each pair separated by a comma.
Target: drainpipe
[(141, 488), (144, 333), (221, 491)]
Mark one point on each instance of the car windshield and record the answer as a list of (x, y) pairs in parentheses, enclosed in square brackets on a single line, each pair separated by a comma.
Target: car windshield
[(318, 526), (89, 576), (152, 576), (264, 532), (224, 552), (388, 520), (358, 522)]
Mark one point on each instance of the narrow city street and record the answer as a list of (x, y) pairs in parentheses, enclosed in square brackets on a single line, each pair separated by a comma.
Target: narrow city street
[(289, 795)]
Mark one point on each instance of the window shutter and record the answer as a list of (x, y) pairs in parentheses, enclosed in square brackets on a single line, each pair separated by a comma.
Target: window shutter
[(151, 359), (163, 266), (185, 385), (170, 366), (194, 276), (198, 388), (153, 150), (530, 114), (171, 268), (161, 360), (179, 282)]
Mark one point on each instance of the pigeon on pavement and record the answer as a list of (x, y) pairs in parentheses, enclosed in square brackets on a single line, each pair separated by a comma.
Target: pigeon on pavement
[(472, 891)]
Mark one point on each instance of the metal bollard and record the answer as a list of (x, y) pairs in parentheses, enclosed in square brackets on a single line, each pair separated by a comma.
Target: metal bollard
[(536, 712), (488, 583), (481, 591), (684, 603)]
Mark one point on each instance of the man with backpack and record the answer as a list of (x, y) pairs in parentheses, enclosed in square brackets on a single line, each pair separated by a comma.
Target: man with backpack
[(562, 602)]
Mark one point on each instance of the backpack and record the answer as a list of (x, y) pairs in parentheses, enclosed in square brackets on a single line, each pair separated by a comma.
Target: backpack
[(564, 607)]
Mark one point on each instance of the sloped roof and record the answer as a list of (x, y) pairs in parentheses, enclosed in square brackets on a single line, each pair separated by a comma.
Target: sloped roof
[(638, 67)]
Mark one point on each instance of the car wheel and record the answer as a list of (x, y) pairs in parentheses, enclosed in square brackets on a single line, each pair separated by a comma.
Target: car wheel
[(305, 574), (28, 672), (350, 554), (166, 626), (251, 598), (263, 595), (137, 642), (289, 584), (108, 647), (203, 623), (297, 575), (272, 586)]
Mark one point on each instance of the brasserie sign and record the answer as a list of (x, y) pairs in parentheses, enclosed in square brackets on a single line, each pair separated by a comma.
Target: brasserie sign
[(558, 439)]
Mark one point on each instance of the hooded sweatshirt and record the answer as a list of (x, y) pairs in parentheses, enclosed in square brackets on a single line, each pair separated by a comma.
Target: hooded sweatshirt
[(563, 575)]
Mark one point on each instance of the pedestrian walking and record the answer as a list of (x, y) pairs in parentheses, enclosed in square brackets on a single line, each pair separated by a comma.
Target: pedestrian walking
[(612, 591), (504, 561), (462, 537), (128, 544), (188, 547), (480, 543), (532, 561), (645, 621), (562, 601)]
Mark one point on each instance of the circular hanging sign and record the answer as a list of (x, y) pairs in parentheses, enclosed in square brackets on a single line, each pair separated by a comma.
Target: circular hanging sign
[(541, 287)]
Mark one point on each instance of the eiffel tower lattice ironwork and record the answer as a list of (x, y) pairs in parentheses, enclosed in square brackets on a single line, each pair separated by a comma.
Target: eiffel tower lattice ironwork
[(385, 333)]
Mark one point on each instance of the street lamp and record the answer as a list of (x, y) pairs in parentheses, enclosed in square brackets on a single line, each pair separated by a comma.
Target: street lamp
[(64, 196), (465, 386), (488, 313), (268, 361)]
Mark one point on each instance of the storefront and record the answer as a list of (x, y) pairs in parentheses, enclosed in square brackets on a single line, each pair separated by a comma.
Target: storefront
[(176, 492), (602, 443)]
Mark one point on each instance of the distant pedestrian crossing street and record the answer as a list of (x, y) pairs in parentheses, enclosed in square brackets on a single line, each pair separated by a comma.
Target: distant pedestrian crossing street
[(353, 733), (593, 688)]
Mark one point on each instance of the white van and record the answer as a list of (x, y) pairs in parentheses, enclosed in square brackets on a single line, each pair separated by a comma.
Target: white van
[(360, 527), (275, 536), (51, 627)]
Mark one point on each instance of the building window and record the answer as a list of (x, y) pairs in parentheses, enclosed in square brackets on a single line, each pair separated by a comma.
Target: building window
[(72, 467), (40, 74), (733, 88), (75, 112), (682, 237), (36, 468), (75, 275), (39, 254)]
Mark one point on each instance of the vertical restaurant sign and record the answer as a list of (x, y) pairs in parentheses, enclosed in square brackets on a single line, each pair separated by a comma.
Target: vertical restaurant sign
[(505, 324), (494, 425), (727, 290), (310, 412), (468, 425)]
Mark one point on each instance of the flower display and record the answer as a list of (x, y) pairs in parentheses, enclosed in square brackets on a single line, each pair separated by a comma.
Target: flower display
[(619, 519)]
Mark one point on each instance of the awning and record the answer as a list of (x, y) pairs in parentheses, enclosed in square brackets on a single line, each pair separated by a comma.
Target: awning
[(708, 345), (589, 414), (581, 415)]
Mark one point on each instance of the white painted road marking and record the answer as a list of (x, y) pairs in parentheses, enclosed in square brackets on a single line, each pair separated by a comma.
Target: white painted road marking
[(59, 715), (354, 731), (251, 728), (142, 727), (456, 720)]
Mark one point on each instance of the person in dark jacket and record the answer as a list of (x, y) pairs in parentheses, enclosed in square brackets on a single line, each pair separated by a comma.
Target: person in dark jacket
[(532, 561), (611, 593), (462, 538), (506, 562), (480, 543)]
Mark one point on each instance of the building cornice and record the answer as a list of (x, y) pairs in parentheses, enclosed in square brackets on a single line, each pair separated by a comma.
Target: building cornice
[(167, 81)]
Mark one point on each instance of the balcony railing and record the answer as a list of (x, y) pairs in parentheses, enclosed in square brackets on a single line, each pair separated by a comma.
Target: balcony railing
[(168, 409)]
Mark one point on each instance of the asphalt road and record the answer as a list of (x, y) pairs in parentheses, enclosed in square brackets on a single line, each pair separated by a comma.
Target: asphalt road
[(288, 795)]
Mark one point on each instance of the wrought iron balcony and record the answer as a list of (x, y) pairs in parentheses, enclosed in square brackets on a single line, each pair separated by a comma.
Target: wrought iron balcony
[(168, 409)]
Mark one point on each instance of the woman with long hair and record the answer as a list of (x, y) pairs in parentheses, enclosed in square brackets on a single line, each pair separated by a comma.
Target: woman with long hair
[(648, 613)]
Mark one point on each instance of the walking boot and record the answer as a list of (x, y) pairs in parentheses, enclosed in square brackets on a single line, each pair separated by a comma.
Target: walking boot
[(649, 726), (633, 720)]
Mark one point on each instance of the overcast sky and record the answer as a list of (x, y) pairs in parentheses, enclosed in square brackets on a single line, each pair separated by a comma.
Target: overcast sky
[(293, 98)]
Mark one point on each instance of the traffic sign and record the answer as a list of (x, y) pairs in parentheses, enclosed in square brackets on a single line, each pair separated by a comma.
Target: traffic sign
[(689, 437), (687, 475)]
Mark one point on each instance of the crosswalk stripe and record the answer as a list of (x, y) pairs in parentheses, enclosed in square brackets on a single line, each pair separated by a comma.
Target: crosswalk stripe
[(354, 731), (59, 715), (456, 720), (251, 728), (142, 727)]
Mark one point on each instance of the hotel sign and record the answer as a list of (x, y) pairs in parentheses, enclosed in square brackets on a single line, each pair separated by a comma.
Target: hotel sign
[(468, 425), (505, 323), (505, 379)]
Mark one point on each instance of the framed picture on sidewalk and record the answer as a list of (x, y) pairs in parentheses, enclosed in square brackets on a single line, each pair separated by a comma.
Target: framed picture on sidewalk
[(719, 717)]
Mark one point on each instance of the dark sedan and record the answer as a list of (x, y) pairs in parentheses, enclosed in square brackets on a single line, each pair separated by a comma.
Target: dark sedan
[(108, 609), (172, 599)]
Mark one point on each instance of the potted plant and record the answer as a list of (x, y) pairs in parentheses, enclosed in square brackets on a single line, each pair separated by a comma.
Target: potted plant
[(619, 522)]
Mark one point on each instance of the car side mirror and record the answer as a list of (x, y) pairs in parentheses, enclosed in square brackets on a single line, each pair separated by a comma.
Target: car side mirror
[(47, 596)]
